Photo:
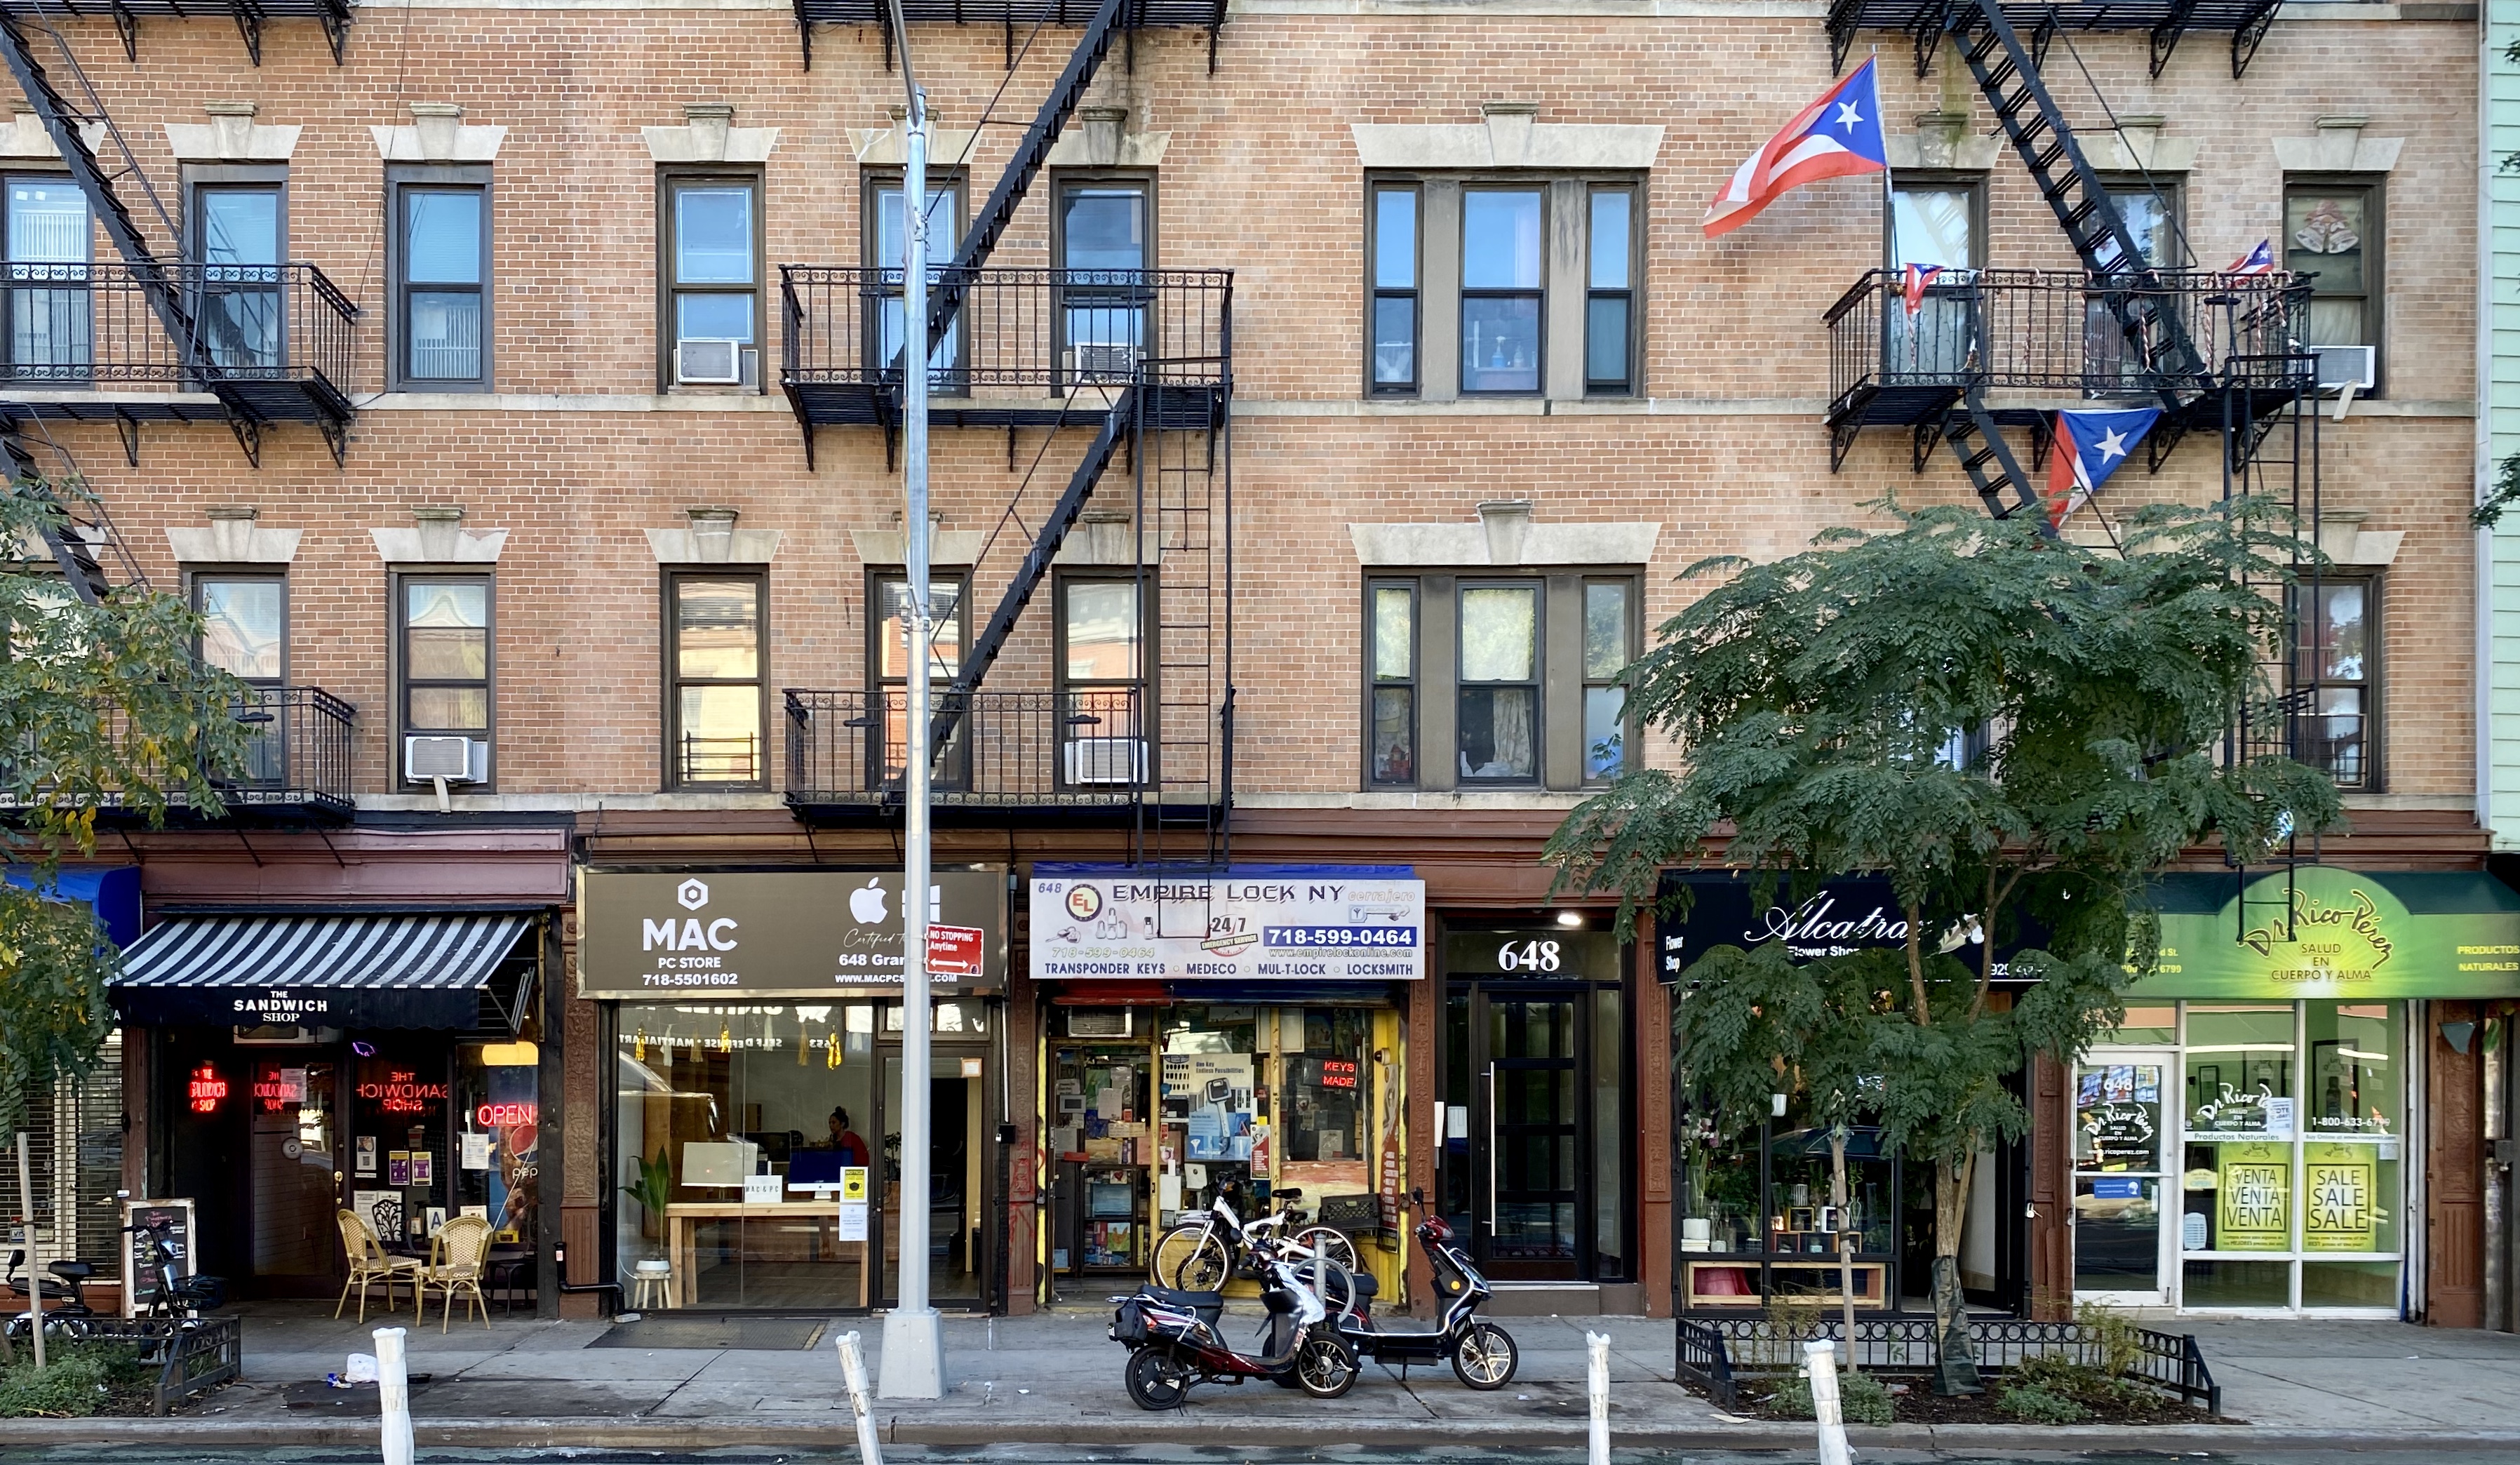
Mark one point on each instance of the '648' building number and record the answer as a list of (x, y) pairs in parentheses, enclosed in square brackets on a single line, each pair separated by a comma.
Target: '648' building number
[(1528, 956)]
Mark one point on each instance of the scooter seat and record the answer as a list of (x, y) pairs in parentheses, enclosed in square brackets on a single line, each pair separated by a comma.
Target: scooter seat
[(1363, 1284), (1196, 1302), (72, 1271)]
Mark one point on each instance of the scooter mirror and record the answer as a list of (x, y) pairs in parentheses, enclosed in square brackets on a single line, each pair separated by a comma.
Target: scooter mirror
[(1418, 1195)]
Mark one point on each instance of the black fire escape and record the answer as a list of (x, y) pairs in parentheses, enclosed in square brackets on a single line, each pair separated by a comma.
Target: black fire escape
[(2221, 354), (148, 340), (1141, 360)]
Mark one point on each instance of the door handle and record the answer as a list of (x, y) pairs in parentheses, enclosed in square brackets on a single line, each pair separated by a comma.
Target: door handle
[(1496, 1156)]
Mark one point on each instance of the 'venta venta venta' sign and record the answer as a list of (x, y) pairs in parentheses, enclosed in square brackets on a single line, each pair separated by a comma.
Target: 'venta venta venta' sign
[(1265, 924), (785, 932)]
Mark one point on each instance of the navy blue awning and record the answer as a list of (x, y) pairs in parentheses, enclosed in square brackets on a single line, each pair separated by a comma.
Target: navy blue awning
[(324, 971)]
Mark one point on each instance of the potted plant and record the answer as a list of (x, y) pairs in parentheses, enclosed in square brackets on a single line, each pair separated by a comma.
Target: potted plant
[(653, 1188)]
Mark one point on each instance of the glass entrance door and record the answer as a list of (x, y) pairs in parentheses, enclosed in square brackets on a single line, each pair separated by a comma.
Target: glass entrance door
[(2121, 1249), (958, 1179), (1526, 1113), (293, 1164)]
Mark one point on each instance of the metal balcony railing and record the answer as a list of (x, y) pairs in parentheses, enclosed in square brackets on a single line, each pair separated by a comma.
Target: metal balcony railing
[(272, 332), (1074, 749), (298, 756), (1036, 333), (2057, 330)]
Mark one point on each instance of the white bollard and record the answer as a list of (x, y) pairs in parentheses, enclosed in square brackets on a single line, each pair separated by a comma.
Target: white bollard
[(393, 1396), (853, 1374), (1598, 1382), (1821, 1366)]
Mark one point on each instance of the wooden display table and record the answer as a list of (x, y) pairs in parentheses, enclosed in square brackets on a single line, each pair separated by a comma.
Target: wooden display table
[(683, 1219)]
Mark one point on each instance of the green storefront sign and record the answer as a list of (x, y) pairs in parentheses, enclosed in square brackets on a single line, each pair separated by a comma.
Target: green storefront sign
[(2354, 934)]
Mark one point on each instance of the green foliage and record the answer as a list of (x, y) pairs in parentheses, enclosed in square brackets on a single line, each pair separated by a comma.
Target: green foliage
[(72, 1387), (2506, 474), (2111, 1335), (100, 706), (1861, 1398), (654, 1185), (1822, 700), (2032, 1404)]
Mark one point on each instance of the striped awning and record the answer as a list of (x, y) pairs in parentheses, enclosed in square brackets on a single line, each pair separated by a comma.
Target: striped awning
[(320, 971)]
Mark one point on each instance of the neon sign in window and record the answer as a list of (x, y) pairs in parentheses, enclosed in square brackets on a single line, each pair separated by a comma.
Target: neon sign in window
[(207, 1090)]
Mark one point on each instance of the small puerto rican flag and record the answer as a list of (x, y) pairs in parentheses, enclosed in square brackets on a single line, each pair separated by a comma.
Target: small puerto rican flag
[(1913, 287), (2258, 261), (2088, 447)]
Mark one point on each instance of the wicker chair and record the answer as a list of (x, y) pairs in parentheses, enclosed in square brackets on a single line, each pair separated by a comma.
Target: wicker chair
[(456, 1254), (370, 1264)]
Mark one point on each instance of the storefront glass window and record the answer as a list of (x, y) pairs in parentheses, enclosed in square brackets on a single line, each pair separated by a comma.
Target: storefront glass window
[(402, 1176), (498, 1123), (1326, 1088), (720, 1093)]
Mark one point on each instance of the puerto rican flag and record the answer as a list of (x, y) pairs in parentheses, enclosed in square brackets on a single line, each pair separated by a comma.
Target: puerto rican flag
[(1837, 136), (2088, 447), (2258, 261), (1913, 287)]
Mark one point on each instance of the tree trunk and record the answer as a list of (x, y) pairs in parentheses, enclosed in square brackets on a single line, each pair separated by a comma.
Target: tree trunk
[(1844, 1238), (1955, 1356)]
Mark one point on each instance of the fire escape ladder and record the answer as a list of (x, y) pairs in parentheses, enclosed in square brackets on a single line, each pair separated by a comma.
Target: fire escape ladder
[(1992, 469), (1119, 425), (66, 125), (945, 296), (2007, 75), (77, 528)]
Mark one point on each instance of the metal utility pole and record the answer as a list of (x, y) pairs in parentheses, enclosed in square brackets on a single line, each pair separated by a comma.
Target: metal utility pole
[(913, 1342)]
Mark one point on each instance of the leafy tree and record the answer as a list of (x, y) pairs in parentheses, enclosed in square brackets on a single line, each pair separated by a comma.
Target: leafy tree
[(2015, 731), (101, 707)]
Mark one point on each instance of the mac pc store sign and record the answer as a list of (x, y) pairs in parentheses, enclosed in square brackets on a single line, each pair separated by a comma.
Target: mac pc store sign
[(787, 932)]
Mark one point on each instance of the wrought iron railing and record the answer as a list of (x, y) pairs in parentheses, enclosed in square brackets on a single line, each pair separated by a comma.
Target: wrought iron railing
[(2061, 331), (191, 1356), (297, 754), (1073, 749), (85, 326), (1718, 1353), (1016, 330)]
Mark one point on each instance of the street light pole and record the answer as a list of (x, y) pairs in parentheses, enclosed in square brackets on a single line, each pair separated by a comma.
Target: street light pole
[(913, 1342)]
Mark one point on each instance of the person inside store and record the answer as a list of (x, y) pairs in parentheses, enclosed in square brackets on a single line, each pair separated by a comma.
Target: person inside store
[(851, 1145)]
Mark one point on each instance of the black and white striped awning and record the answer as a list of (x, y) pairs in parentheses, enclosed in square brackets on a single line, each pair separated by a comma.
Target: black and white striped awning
[(328, 971)]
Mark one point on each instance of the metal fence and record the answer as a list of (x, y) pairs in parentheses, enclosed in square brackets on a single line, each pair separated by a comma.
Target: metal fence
[(192, 1355), (2062, 331), (297, 753), (85, 326), (1718, 1353), (1027, 330), (1075, 749)]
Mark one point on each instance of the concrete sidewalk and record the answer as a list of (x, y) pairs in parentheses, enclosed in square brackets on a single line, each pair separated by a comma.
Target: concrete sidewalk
[(1055, 1379)]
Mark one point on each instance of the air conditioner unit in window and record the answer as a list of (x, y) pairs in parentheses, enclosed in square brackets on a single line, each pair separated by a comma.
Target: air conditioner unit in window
[(1100, 1022), (1107, 760), (2342, 366), (427, 756), (1103, 361), (708, 361)]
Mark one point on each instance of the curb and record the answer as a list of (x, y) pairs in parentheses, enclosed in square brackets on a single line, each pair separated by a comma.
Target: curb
[(1187, 1427)]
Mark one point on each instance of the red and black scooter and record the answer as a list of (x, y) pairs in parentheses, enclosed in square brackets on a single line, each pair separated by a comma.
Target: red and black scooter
[(1173, 1341), (1482, 1354)]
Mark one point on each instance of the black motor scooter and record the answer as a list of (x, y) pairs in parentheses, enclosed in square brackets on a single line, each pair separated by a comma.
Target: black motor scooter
[(1482, 1354), (1174, 1340)]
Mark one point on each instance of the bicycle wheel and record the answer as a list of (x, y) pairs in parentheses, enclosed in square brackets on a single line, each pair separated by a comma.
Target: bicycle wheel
[(1486, 1358), (1157, 1379), (1331, 1243), (1192, 1258), (1325, 1368)]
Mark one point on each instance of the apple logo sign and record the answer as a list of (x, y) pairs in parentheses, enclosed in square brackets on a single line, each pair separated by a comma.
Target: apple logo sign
[(866, 903)]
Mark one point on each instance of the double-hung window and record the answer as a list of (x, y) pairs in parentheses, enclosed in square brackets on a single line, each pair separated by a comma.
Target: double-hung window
[(445, 660), (238, 239), (1609, 645), (2340, 655), (245, 632), (1393, 320), (2332, 232), (711, 293), (1391, 670), (48, 240), (887, 250), (1105, 245), (1497, 712), (1610, 298), (1501, 291), (717, 625), (949, 616), (2117, 358), (440, 242), (1934, 224), (1102, 707)]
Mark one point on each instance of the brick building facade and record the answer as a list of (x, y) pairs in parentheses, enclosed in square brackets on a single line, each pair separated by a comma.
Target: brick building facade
[(590, 483)]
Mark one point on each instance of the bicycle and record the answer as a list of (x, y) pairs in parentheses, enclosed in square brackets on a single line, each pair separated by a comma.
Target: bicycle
[(1199, 1255)]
